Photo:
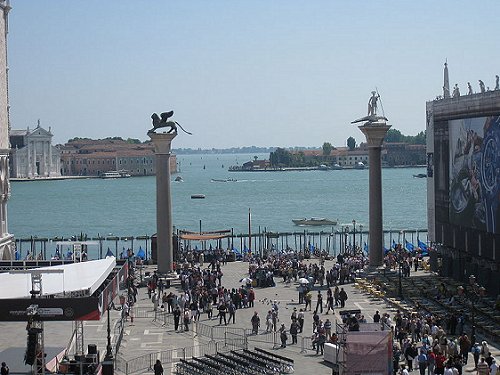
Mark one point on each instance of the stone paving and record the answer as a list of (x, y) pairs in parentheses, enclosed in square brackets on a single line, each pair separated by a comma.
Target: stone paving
[(145, 335)]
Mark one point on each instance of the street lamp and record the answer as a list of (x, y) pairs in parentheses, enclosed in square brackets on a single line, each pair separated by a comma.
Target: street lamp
[(346, 231), (361, 236), (399, 255), (473, 293), (353, 237), (107, 364)]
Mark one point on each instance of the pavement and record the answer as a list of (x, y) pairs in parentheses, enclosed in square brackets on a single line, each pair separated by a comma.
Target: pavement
[(145, 336)]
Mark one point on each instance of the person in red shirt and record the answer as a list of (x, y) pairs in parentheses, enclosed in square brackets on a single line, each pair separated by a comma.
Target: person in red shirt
[(440, 361)]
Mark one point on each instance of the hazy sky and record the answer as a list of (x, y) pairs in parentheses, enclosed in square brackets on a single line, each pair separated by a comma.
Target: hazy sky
[(241, 73)]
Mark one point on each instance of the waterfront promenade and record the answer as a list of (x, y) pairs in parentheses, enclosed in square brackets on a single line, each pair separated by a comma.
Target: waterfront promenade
[(145, 335)]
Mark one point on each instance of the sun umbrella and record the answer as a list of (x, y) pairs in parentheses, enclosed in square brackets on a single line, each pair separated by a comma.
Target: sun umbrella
[(246, 280), (303, 280)]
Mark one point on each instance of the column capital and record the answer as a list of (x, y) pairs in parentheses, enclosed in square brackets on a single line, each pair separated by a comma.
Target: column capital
[(162, 142), (374, 132)]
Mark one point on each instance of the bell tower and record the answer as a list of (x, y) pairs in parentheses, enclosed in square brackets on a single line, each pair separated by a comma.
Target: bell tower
[(6, 239)]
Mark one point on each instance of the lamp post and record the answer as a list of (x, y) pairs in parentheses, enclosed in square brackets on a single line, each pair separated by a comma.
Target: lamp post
[(107, 364), (400, 273), (473, 293), (353, 237), (361, 236), (346, 231)]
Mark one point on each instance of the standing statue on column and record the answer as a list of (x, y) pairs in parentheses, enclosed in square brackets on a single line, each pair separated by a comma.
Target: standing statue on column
[(372, 110), (456, 91), (497, 84), (372, 104)]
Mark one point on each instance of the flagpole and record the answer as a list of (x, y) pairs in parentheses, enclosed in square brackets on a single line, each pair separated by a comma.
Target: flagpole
[(249, 231)]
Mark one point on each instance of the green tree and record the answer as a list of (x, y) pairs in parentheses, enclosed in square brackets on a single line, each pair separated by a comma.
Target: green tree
[(351, 143), (327, 148), (134, 141)]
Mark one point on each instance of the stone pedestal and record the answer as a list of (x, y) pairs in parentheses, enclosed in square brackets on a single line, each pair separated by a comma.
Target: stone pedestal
[(375, 133), (162, 143)]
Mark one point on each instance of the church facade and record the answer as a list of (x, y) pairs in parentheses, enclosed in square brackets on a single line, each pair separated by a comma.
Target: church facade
[(32, 154)]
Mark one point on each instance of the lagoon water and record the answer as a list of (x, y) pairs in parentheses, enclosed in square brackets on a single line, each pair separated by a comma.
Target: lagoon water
[(126, 207)]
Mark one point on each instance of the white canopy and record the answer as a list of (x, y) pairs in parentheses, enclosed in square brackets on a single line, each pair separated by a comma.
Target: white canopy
[(83, 276)]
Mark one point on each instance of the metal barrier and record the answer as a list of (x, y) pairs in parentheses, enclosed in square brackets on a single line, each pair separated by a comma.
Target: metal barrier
[(147, 361)]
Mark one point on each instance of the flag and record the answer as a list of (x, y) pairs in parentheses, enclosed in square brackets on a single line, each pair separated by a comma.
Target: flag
[(365, 249), (311, 248), (141, 254), (386, 250), (18, 256), (409, 246), (422, 245), (394, 244), (109, 253)]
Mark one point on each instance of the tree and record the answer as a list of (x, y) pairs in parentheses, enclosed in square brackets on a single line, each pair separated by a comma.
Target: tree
[(351, 143), (327, 148)]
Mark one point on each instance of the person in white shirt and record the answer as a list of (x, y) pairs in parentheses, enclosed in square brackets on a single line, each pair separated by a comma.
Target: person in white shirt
[(493, 367)]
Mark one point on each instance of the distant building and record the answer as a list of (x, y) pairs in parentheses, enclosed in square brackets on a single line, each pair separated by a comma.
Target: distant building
[(87, 157), (32, 154), (403, 154)]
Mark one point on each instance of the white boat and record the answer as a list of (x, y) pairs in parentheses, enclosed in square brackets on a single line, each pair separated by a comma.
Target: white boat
[(115, 174), (198, 196), (359, 165), (318, 221)]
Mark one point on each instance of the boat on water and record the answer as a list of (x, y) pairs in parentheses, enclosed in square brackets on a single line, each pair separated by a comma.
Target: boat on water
[(223, 180), (115, 174), (318, 221), (337, 166), (198, 196), (179, 179), (359, 165), (420, 175), (323, 167)]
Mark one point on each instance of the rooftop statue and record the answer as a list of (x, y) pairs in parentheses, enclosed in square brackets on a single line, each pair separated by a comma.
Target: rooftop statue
[(497, 84), (162, 121), (456, 91), (372, 110), (470, 89), (481, 86)]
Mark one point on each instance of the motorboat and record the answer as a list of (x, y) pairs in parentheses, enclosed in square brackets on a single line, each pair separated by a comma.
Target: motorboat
[(198, 196), (323, 167), (317, 221), (337, 166), (359, 165), (420, 175), (179, 179), (223, 180)]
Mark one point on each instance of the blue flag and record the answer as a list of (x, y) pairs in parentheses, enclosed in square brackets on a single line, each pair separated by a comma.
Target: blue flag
[(141, 254), (394, 244), (365, 248), (386, 250), (409, 246), (109, 253), (422, 245)]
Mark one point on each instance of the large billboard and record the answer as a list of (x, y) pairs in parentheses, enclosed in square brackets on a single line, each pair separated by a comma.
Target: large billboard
[(475, 173)]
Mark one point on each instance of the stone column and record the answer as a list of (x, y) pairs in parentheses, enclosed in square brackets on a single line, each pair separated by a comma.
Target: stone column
[(375, 133), (162, 143)]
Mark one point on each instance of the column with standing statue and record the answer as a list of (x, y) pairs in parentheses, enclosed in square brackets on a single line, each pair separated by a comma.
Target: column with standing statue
[(375, 129)]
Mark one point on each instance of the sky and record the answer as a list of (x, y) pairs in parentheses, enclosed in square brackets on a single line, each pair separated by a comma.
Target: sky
[(241, 73)]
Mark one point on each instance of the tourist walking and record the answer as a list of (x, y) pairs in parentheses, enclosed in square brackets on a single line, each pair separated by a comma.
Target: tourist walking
[(222, 313), (294, 329), (158, 368), (5, 369), (269, 321), (177, 317), (422, 362), (343, 298), (300, 319), (308, 299), (319, 303), (232, 312), (283, 336), (255, 323), (187, 319)]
